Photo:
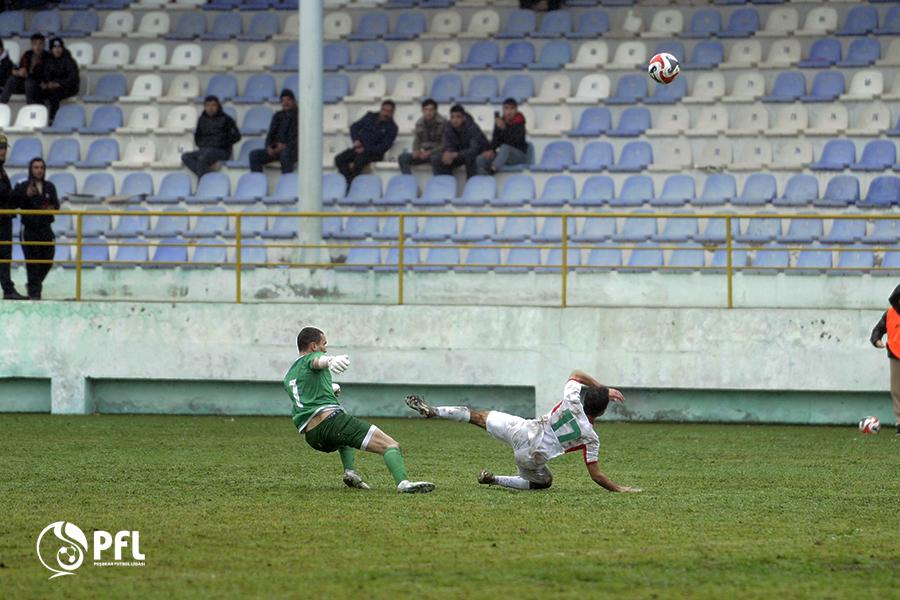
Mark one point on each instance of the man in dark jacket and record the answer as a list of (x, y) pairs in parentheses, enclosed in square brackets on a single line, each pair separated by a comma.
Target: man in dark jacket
[(890, 325), (508, 145), (27, 78), (6, 202), (372, 136), (6, 65), (427, 138), (281, 141), (60, 78), (36, 193), (462, 144), (215, 136)]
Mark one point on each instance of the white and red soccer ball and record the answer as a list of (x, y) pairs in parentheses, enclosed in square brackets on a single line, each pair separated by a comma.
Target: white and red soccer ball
[(663, 68), (869, 425)]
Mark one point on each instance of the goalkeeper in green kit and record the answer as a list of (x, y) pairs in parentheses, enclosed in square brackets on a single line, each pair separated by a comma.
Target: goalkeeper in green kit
[(318, 415)]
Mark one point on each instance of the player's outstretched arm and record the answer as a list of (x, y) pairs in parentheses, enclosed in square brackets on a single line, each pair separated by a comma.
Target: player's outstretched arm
[(602, 480), (337, 364)]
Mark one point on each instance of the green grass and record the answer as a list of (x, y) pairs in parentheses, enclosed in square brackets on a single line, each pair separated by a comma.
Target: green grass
[(242, 507)]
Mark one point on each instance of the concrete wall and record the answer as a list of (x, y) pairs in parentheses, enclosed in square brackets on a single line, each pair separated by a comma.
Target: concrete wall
[(691, 364)]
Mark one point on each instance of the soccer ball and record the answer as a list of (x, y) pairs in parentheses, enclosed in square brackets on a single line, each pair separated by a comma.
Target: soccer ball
[(869, 425), (67, 555), (663, 68)]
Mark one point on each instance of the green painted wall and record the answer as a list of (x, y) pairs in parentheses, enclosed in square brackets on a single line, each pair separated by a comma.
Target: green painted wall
[(24, 395)]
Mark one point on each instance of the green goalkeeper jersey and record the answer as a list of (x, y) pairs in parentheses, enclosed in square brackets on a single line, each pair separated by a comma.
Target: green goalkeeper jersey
[(309, 389)]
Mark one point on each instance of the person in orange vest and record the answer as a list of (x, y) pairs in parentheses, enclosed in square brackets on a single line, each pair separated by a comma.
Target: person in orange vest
[(890, 325)]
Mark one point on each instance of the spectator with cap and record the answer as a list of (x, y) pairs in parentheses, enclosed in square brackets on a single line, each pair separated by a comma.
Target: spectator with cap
[(6, 65), (463, 141), (36, 193), (27, 78), (215, 136), (372, 136), (426, 139), (281, 141), (508, 145), (60, 78), (6, 203)]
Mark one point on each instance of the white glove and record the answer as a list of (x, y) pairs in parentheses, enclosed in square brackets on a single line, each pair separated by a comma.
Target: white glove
[(338, 364), (336, 389)]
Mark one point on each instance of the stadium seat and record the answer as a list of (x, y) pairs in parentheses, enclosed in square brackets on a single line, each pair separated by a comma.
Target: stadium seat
[(401, 189), (117, 24), (752, 155), (208, 254), (718, 190), (108, 90), (781, 22), (592, 89), (287, 190), (760, 231), (518, 87), (149, 57), (836, 156), (558, 156), (137, 186), (590, 24), (335, 56), (81, 24), (516, 56), (517, 191), (262, 26), (715, 155), (370, 57), (865, 85), (819, 21), (283, 228), (211, 188), (591, 55), (481, 260), (225, 26), (891, 23), (444, 24), (678, 190), (174, 188), (185, 57), (476, 229), (823, 53), (789, 87), (861, 20), (595, 157), (629, 56), (94, 252), (633, 122), (637, 190), (708, 88), (146, 88), (334, 188), (517, 229), (337, 25), (593, 122), (558, 191), (256, 121), (826, 87), (743, 54), (154, 24), (890, 265), (222, 58), (23, 150), (769, 261), (811, 262), (439, 190), (862, 53), (139, 153), (99, 186), (800, 190), (436, 229), (637, 229), (874, 119), (840, 192), (802, 231), (831, 120), (169, 253), (668, 94), (635, 156), (63, 153), (358, 228), (853, 263), (630, 90), (554, 57), (884, 193), (371, 26), (132, 225), (671, 121), (554, 24), (443, 56), (65, 188), (446, 88), (251, 188), (716, 230), (748, 87), (517, 24), (554, 121), (706, 55), (704, 23), (190, 25), (29, 118), (335, 86), (845, 231), (754, 120), (105, 119), (877, 155), (363, 191), (482, 89), (678, 230), (390, 229), (667, 22), (677, 157), (884, 232), (208, 226), (290, 59), (101, 154), (409, 87), (596, 191)]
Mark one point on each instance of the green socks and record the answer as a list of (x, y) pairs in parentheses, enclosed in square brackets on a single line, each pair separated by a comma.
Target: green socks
[(348, 458), (394, 461)]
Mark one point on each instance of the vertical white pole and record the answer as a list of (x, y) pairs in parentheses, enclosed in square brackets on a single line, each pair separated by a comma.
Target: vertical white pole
[(310, 141)]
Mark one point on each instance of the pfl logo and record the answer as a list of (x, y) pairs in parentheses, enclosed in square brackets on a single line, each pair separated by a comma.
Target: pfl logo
[(70, 547)]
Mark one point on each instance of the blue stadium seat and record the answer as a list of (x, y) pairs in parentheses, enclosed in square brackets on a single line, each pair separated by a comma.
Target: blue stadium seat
[(174, 188), (391, 261), (853, 262), (704, 23), (481, 55), (637, 229), (686, 260), (225, 26), (517, 56), (409, 26), (137, 186), (47, 22), (287, 189), (390, 229), (243, 159), (634, 121), (884, 232), (554, 24), (439, 190), (811, 262), (841, 191), (554, 56), (482, 88), (862, 53), (100, 155), (358, 228), (602, 259), (678, 230), (364, 190), (595, 157), (479, 260), (222, 85), (596, 121), (845, 231), (253, 226), (99, 186), (208, 226), (861, 20), (109, 89), (678, 190), (212, 188), (596, 191), (826, 87), (591, 24), (134, 224), (290, 60), (12, 23), (743, 22), (82, 23), (334, 188), (635, 156), (260, 88), (517, 24), (331, 226), (891, 23), (553, 262), (283, 228), (551, 230), (170, 224), (877, 155), (558, 156), (63, 153), (823, 53), (837, 155), (518, 87), (800, 190), (668, 94), (170, 253), (673, 47), (437, 259), (706, 55), (759, 190), (370, 57), (884, 192), (371, 26), (251, 188), (759, 231), (94, 251), (559, 190), (262, 27), (636, 191), (256, 121), (65, 186), (476, 229), (69, 119), (644, 259), (334, 87), (630, 90), (770, 261), (517, 229), (522, 260), (190, 25), (446, 88), (517, 191), (739, 260), (253, 254), (95, 225), (789, 86), (803, 231), (400, 190), (715, 231), (436, 229), (105, 119), (208, 254)]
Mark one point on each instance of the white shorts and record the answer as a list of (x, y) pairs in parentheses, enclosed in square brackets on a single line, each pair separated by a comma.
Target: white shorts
[(521, 435)]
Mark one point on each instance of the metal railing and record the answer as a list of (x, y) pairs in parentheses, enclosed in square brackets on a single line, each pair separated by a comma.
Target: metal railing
[(729, 244)]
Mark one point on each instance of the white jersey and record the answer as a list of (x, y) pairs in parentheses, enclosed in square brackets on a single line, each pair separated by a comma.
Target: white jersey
[(567, 428)]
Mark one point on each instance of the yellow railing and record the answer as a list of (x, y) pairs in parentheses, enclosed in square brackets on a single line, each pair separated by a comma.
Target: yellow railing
[(402, 244)]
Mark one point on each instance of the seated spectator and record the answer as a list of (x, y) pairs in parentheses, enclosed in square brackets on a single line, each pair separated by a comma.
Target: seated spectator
[(463, 141), (508, 145), (372, 136), (281, 141), (427, 139), (6, 65), (27, 78), (36, 193), (215, 136), (60, 79)]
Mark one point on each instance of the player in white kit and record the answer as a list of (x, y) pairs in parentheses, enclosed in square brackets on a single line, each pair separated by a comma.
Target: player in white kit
[(566, 428)]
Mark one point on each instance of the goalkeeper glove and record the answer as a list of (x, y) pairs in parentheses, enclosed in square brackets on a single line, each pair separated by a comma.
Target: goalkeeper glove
[(338, 364)]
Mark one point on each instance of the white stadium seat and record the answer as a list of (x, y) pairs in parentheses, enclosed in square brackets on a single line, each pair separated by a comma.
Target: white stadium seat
[(370, 87), (138, 153), (667, 22), (223, 57), (290, 30), (790, 119), (677, 157), (409, 87), (716, 154), (819, 21), (15, 51), (169, 153), (591, 89), (874, 118), (337, 25), (185, 57), (782, 22), (894, 93), (144, 119), (783, 53), (82, 52), (258, 57), (591, 55), (752, 155), (336, 120), (747, 88), (483, 24), (632, 24), (29, 118), (750, 120), (184, 87), (554, 121), (153, 24), (443, 56), (670, 120), (149, 57), (483, 116), (743, 54), (891, 58), (830, 120), (112, 56), (709, 86), (146, 88), (712, 120), (865, 85), (444, 24), (554, 89), (118, 23), (793, 155), (5, 116), (629, 55), (407, 56), (181, 119)]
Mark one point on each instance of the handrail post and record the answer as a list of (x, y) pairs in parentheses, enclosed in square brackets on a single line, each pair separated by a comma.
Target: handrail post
[(400, 252), (78, 241), (564, 262), (728, 264), (237, 258)]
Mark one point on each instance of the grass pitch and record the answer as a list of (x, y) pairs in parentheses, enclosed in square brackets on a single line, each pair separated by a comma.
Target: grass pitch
[(242, 507)]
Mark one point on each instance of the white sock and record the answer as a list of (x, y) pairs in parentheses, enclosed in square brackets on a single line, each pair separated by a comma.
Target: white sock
[(512, 481), (454, 413)]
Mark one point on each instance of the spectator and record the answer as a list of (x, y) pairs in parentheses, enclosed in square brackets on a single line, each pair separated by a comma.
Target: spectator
[(281, 141), (35, 193), (372, 136), (60, 79), (215, 136), (27, 78), (6, 65), (889, 325), (463, 141), (6, 202), (428, 135), (508, 145)]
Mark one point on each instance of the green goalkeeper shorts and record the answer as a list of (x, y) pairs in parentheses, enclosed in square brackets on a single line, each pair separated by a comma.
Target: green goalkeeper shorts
[(340, 430)]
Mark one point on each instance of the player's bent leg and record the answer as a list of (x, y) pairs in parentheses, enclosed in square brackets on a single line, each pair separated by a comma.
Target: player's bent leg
[(351, 477), (381, 443)]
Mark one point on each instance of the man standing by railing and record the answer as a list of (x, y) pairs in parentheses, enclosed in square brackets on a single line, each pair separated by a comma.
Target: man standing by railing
[(36, 193), (890, 325), (6, 202)]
